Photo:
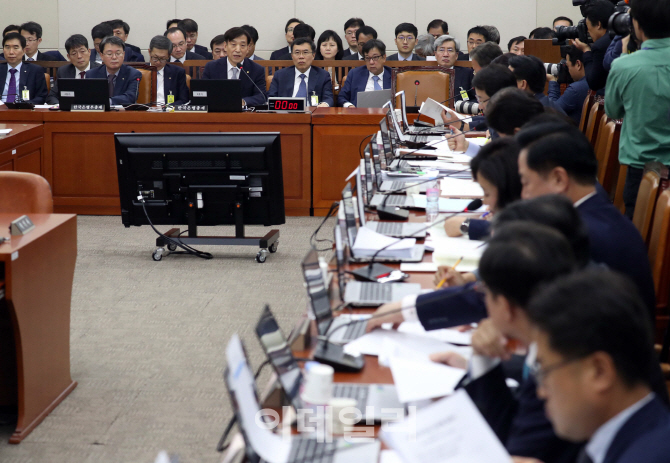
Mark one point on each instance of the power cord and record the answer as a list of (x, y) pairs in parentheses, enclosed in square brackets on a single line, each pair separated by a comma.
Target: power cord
[(313, 239)]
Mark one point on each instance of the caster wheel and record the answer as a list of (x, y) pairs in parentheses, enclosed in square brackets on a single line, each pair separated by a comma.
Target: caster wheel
[(172, 247), (273, 247), (157, 254), (260, 257)]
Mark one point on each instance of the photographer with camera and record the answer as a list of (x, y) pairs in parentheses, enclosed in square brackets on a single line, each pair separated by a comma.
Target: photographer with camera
[(638, 90), (572, 100), (597, 14)]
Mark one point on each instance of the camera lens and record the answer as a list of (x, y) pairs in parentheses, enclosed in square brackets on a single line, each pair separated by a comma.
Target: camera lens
[(467, 107)]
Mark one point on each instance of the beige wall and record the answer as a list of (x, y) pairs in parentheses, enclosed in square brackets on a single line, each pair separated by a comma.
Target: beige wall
[(62, 18)]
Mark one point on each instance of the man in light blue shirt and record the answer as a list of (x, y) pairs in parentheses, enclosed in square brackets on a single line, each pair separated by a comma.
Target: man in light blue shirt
[(21, 81)]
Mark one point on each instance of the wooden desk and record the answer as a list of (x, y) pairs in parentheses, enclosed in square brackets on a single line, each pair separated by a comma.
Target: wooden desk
[(21, 149), (38, 272)]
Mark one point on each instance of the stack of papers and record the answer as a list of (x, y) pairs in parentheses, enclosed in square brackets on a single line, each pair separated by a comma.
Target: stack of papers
[(444, 204), (368, 242), (458, 188), (451, 335), (447, 251), (5, 131)]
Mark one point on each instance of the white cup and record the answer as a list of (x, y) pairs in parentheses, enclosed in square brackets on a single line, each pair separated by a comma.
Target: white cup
[(318, 386), (342, 415)]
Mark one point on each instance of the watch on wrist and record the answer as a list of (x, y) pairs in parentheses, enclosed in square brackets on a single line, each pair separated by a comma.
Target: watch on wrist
[(465, 226)]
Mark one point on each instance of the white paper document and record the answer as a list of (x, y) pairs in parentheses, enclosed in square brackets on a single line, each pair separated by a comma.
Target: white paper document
[(443, 204), (368, 242), (450, 430), (433, 109), (5, 131), (458, 188), (451, 335), (423, 380), (372, 343), (448, 251), (428, 267)]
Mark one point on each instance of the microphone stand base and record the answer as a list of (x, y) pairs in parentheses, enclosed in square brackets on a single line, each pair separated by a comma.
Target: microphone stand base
[(333, 355), (392, 213)]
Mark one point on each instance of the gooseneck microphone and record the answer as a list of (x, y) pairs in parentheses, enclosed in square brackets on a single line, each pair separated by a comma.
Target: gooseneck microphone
[(241, 68), (416, 90)]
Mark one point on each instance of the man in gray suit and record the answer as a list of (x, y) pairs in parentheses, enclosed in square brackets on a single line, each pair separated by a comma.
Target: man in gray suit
[(80, 61), (405, 39)]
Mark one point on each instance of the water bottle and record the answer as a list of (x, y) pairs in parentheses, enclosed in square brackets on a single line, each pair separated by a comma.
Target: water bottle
[(432, 200)]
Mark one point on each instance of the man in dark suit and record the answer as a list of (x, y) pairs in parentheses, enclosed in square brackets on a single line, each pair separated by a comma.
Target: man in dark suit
[(446, 54), (288, 31), (190, 27), (17, 77), (531, 77), (303, 80), (80, 62), (253, 33), (236, 43), (405, 40), (594, 358), (350, 28), (171, 86), (99, 32), (32, 32), (180, 52), (123, 81), (363, 34), (300, 31), (373, 76), (121, 29)]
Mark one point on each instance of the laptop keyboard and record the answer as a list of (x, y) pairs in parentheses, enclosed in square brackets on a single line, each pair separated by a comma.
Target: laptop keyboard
[(355, 330), (389, 228), (396, 185), (419, 139), (306, 449), (352, 391), (395, 200), (376, 292)]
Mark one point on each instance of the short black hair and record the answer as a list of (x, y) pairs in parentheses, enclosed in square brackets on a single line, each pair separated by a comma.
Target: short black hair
[(531, 69), (304, 30), (112, 40), (541, 33), (494, 34), (558, 144), (653, 17), (504, 60), (12, 36), (597, 310), (494, 78), (102, 30), (485, 53), (520, 257), (374, 43), (235, 32), (116, 23), (481, 31), (11, 27), (172, 30), (325, 36), (367, 30), (510, 108), (439, 23), (171, 21), (160, 42), (563, 18), (406, 27), (188, 25), (253, 33), (218, 40), (353, 22), (304, 40), (599, 11), (497, 162), (32, 28), (291, 21), (574, 53), (518, 39), (555, 211), (75, 41)]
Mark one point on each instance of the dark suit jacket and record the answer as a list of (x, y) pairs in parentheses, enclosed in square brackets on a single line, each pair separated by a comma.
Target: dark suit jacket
[(202, 51), (319, 82), (395, 56), (64, 72), (352, 57), (253, 96), (127, 84), (128, 57), (191, 55), (547, 103), (463, 78), (463, 56), (357, 79), (137, 56), (31, 78), (453, 306), (346, 53), (52, 55), (278, 53), (174, 80)]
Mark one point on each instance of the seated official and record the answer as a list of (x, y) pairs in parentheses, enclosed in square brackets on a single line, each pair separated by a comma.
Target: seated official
[(180, 52), (121, 29), (572, 100), (300, 31), (190, 27), (171, 86), (363, 34), (33, 35), (329, 47), (288, 35), (437, 27), (236, 42), (17, 75), (123, 81), (531, 77), (482, 55), (595, 368), (80, 62), (373, 76), (516, 45), (218, 47), (405, 40), (302, 80), (446, 49), (350, 28), (476, 36), (425, 46), (253, 33), (99, 32)]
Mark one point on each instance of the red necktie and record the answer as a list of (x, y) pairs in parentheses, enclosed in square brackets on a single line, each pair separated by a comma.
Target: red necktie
[(82, 74)]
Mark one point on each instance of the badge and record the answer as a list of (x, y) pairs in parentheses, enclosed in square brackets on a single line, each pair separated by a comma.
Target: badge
[(464, 95), (25, 94), (170, 98), (314, 100)]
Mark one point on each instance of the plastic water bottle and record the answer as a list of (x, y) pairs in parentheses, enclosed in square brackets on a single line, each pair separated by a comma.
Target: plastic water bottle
[(432, 200)]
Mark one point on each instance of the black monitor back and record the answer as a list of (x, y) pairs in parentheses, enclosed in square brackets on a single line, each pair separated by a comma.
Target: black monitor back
[(220, 96), (209, 172), (82, 91)]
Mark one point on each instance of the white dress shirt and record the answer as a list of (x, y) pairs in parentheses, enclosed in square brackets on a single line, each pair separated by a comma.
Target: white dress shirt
[(371, 83), (409, 58), (180, 60), (160, 86), (77, 72), (6, 89), (34, 57), (296, 82), (579, 202)]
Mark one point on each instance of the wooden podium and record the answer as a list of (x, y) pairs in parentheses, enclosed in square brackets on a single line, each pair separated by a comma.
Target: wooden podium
[(37, 272)]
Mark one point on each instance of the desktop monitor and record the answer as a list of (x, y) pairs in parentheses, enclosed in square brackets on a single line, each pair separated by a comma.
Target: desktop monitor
[(200, 178), (220, 96)]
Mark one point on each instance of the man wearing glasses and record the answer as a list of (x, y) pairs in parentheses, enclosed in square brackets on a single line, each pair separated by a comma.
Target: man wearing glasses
[(191, 28), (20, 80), (288, 35), (123, 81), (80, 62), (171, 86), (447, 49), (374, 76), (405, 39), (180, 51), (350, 28), (476, 36), (32, 32), (363, 34)]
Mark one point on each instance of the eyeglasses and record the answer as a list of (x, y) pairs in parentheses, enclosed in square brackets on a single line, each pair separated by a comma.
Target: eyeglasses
[(290, 29), (302, 53), (446, 50), (157, 59), (405, 38), (30, 39), (374, 59), (350, 33), (480, 101), (116, 54), (540, 373)]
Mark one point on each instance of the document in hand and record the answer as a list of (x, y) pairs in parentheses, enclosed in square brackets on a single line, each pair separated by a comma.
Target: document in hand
[(416, 380), (458, 188), (433, 109), (450, 430), (368, 242)]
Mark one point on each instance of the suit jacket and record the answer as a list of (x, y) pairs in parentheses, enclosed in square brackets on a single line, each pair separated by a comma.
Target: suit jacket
[(448, 307), (463, 78), (396, 56), (127, 84), (53, 55), (463, 56), (137, 56), (128, 57), (202, 51), (346, 53), (278, 53), (64, 72), (357, 79), (547, 103), (352, 57), (252, 95), (255, 57), (31, 78), (191, 55), (319, 82), (174, 80)]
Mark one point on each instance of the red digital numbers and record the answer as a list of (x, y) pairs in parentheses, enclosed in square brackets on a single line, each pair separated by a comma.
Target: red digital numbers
[(284, 104)]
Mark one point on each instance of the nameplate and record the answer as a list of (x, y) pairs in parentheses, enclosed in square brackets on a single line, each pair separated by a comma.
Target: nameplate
[(88, 107), (190, 108), (67, 93), (200, 93), (21, 226)]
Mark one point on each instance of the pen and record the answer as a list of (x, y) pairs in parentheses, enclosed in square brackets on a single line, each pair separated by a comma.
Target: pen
[(384, 275), (485, 214), (444, 280)]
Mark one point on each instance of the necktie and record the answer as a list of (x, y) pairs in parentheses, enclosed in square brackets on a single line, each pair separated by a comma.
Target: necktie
[(234, 72), (302, 88), (82, 74), (376, 82), (30, 59), (110, 84), (584, 457), (11, 90)]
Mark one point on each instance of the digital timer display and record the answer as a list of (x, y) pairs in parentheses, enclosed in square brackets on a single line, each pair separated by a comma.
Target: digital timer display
[(286, 104)]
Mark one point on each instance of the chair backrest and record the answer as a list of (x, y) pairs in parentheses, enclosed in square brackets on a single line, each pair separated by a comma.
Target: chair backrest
[(601, 141), (586, 109), (48, 79), (145, 94), (268, 82), (188, 81), (646, 201), (596, 113), (24, 193), (437, 84), (659, 249), (620, 183), (608, 167)]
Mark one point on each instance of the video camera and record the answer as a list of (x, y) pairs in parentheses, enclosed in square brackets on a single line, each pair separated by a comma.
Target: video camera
[(620, 23)]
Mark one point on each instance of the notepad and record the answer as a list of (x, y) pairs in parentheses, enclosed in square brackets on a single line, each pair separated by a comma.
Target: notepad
[(458, 188), (369, 242)]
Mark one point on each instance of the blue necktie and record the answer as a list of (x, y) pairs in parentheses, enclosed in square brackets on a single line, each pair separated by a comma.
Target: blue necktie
[(302, 88), (30, 59), (11, 90), (376, 82)]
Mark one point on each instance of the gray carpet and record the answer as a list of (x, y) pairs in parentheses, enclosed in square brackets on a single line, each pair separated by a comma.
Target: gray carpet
[(148, 342)]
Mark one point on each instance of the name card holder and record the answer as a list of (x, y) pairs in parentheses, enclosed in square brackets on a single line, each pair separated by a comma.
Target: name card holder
[(189, 108), (88, 108)]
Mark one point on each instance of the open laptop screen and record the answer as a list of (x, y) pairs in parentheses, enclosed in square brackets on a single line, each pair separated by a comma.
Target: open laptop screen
[(349, 214), (403, 108), (317, 291)]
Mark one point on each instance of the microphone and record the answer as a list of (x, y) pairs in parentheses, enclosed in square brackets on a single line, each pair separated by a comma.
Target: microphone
[(137, 90), (402, 157), (416, 90), (239, 66)]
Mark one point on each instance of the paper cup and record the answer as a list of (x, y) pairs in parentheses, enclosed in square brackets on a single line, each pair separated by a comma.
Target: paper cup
[(343, 414), (318, 389)]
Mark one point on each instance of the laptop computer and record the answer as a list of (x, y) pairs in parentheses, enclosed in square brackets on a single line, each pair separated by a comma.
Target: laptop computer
[(410, 129), (82, 91), (261, 444), (373, 99), (278, 352), (220, 95), (378, 163), (412, 141)]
